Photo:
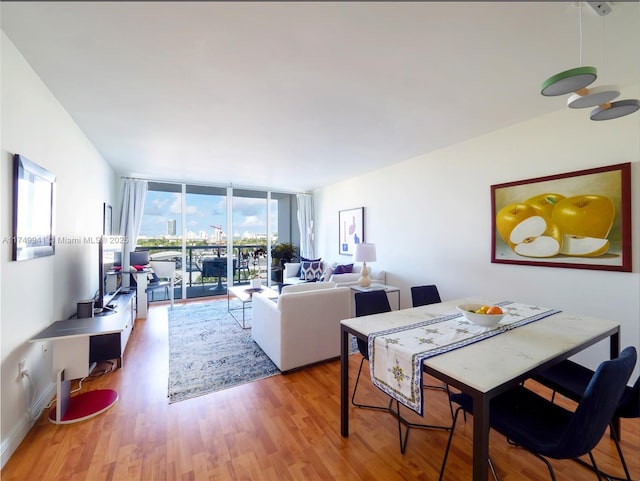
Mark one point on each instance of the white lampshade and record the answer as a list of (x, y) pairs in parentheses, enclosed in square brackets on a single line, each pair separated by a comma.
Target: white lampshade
[(364, 253)]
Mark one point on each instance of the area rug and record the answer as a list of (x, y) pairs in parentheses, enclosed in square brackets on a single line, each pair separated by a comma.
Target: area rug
[(209, 351)]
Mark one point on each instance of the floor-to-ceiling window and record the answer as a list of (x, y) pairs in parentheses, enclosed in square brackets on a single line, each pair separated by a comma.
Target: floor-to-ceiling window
[(250, 237), (161, 228), (206, 240), (218, 236)]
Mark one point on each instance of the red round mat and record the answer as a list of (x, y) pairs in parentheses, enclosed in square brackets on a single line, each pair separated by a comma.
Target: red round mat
[(86, 405)]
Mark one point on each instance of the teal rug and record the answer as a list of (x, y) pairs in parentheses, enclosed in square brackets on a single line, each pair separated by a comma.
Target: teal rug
[(209, 351)]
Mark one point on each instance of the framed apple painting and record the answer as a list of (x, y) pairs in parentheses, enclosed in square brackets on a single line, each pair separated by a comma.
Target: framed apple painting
[(579, 220)]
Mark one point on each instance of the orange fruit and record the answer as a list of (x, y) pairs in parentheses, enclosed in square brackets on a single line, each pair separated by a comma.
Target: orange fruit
[(494, 310)]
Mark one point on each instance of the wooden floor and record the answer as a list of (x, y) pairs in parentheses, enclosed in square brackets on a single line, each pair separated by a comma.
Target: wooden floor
[(286, 427)]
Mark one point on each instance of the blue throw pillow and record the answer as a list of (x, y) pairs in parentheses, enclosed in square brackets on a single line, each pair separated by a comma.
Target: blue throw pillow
[(343, 269), (311, 271), (304, 259)]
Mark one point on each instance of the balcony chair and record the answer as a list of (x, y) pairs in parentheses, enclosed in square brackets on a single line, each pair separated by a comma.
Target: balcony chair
[(571, 379), (545, 429), (166, 273), (376, 302), (240, 265), (215, 267)]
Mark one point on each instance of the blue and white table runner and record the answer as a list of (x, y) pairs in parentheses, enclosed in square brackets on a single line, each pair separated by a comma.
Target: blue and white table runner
[(396, 355)]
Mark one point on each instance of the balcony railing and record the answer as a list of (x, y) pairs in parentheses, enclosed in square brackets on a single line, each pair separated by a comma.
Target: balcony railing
[(205, 271)]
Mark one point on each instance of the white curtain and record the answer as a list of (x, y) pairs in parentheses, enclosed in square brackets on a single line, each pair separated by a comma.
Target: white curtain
[(134, 192), (305, 223)]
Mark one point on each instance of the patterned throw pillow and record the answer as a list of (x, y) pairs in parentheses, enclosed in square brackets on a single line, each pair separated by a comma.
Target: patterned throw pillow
[(302, 261), (311, 271), (343, 269)]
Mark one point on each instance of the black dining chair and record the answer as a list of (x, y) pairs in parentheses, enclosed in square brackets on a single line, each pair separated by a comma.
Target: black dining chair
[(376, 302), (545, 429), (367, 303), (571, 379), (424, 295)]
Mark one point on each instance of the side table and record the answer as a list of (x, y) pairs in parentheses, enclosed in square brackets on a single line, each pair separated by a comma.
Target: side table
[(245, 296)]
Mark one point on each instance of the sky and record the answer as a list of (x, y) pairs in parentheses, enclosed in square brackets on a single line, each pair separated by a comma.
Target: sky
[(203, 212)]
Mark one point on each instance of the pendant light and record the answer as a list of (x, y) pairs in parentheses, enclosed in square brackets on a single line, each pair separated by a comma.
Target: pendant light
[(571, 80), (615, 110), (577, 79), (591, 97)]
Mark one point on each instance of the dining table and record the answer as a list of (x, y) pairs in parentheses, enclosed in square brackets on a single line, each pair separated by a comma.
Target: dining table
[(490, 363)]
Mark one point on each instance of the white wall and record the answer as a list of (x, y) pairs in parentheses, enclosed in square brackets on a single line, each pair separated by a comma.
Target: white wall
[(430, 217), (36, 292)]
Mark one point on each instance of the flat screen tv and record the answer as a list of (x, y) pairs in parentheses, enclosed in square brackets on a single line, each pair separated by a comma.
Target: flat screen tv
[(109, 269), (33, 209)]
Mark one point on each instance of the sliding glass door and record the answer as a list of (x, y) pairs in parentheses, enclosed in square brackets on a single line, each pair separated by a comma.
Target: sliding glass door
[(206, 240), (218, 236)]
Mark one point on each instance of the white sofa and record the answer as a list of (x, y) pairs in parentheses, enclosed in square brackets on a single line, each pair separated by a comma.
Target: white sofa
[(291, 275), (302, 326)]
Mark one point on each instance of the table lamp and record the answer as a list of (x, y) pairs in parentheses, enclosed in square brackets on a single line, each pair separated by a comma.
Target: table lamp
[(364, 253)]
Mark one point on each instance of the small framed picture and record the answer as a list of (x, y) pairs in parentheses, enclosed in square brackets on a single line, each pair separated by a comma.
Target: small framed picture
[(351, 229)]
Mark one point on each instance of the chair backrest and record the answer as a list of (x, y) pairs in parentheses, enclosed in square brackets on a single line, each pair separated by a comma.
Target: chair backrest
[(423, 295), (214, 267), (139, 258), (367, 303), (372, 302), (598, 404), (629, 406), (164, 269)]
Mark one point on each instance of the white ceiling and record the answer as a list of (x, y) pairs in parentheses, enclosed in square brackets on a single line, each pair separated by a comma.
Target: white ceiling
[(293, 95)]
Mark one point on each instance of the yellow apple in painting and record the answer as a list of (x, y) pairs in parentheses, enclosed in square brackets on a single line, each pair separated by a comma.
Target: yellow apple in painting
[(585, 216), (510, 216), (544, 203), (526, 232)]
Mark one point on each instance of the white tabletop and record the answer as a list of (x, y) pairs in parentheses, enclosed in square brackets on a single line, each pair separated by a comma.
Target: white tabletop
[(244, 293), (482, 365), (375, 287)]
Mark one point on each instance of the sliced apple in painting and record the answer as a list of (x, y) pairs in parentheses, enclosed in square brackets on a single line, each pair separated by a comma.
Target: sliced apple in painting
[(527, 233), (583, 246), (531, 238)]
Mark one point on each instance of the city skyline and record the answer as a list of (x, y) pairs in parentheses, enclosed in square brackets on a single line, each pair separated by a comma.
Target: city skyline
[(204, 213)]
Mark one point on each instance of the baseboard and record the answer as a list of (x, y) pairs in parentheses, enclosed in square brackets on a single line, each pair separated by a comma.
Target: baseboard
[(24, 425)]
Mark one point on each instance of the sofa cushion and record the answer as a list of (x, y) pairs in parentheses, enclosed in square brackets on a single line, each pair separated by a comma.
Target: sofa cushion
[(307, 286), (311, 270), (291, 269)]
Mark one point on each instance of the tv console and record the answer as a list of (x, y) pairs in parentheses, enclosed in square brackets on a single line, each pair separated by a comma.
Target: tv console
[(80, 343)]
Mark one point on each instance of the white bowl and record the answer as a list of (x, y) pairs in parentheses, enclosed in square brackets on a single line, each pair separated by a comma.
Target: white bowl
[(486, 320)]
